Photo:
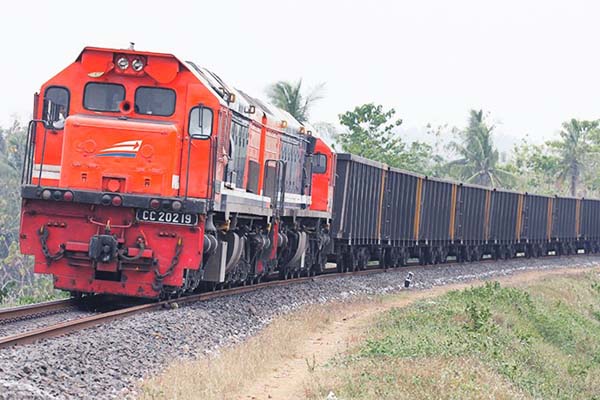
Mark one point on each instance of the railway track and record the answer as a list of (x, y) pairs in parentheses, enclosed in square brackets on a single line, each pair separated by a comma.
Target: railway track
[(117, 312), (35, 310), (65, 327)]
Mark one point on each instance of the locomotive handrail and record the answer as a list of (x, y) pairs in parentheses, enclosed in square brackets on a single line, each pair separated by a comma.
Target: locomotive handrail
[(103, 224), (28, 162)]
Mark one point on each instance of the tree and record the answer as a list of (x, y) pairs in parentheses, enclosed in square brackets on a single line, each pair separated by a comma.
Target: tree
[(478, 162), (535, 168), (370, 133), (288, 96), (575, 150), (327, 131)]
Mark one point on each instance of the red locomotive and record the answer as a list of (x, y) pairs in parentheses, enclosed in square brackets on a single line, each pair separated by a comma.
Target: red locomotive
[(149, 176)]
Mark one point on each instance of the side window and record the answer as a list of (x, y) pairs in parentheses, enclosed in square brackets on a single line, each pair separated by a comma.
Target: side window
[(103, 96), (59, 96), (197, 130), (319, 163), (155, 101)]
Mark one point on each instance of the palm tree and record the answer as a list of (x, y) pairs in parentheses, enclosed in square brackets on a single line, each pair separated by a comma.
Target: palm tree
[(288, 96), (574, 150), (478, 162)]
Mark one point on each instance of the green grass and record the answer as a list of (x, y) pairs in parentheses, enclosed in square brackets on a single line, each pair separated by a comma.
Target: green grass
[(542, 341)]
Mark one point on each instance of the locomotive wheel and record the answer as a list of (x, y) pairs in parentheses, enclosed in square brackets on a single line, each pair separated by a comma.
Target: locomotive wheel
[(282, 273)]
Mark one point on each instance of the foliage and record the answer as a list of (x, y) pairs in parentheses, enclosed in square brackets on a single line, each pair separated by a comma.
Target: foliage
[(11, 160), (536, 169), (328, 132), (574, 149), (567, 166), (288, 96), (18, 284), (539, 342), (478, 158), (371, 133)]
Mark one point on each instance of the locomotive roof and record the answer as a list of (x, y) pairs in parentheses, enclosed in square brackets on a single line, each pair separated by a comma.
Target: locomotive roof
[(277, 118)]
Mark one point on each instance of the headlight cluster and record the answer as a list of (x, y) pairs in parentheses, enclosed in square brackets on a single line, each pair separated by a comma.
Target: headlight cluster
[(137, 64), (175, 205), (107, 199), (57, 195)]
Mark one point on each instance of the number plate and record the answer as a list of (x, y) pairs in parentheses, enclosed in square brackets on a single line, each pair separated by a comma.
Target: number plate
[(166, 217)]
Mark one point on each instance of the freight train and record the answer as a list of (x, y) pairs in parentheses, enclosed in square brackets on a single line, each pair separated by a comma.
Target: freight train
[(149, 176)]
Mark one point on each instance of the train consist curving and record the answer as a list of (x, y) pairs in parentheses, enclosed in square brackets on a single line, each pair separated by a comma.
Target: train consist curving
[(148, 176)]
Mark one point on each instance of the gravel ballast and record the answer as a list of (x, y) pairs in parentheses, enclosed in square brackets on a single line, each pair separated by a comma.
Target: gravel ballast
[(107, 362)]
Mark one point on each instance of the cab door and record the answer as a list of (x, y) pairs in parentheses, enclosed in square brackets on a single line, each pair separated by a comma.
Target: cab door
[(322, 177)]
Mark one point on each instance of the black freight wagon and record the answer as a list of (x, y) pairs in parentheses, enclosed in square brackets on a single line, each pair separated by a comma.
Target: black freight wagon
[(400, 207), (564, 218), (504, 215), (589, 225), (436, 210), (534, 225), (470, 221), (357, 200)]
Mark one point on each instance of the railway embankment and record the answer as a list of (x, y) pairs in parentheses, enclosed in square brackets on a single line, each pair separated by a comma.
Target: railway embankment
[(122, 358), (514, 336)]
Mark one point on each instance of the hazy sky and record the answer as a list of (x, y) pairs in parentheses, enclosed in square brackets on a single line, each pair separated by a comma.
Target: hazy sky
[(532, 64)]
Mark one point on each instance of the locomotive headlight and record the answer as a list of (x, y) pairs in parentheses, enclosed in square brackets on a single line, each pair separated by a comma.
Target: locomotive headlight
[(154, 204), (176, 205), (123, 63), (137, 65), (46, 194)]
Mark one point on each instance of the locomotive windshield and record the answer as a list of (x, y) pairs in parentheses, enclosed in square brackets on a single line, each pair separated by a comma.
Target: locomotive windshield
[(59, 96), (103, 96), (155, 101)]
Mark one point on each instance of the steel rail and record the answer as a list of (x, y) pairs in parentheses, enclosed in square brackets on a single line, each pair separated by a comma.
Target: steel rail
[(30, 310), (98, 319)]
